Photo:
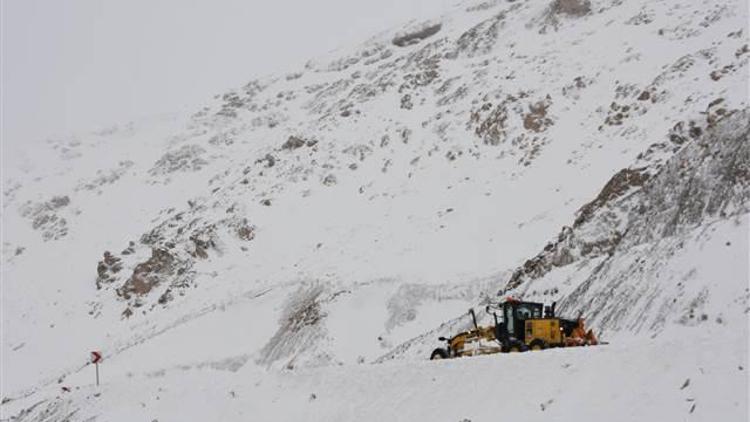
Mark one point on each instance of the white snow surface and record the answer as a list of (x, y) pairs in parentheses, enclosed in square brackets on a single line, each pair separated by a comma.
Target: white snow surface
[(306, 238)]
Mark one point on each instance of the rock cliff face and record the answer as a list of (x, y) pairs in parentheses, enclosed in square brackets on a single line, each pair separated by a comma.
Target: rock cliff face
[(707, 178), (636, 225)]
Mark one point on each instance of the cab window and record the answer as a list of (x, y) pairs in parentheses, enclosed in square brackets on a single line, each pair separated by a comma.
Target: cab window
[(528, 312), (523, 312)]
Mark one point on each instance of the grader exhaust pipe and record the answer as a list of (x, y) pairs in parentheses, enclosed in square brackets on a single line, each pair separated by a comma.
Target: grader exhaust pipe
[(474, 318)]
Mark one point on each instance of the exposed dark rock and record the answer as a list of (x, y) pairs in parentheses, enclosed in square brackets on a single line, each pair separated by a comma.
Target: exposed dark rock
[(293, 142), (44, 217), (149, 274), (269, 161), (419, 79), (536, 119), (107, 268), (166, 297), (299, 326), (406, 102), (245, 231), (622, 182), (59, 202), (203, 240), (493, 128), (186, 158), (129, 250), (416, 36), (559, 9), (571, 7), (480, 39), (329, 180), (360, 151), (492, 123)]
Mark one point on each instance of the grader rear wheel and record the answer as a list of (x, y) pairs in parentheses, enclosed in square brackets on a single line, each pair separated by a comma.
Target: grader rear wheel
[(538, 344)]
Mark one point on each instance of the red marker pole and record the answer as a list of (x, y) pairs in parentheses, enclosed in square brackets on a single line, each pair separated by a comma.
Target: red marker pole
[(96, 357)]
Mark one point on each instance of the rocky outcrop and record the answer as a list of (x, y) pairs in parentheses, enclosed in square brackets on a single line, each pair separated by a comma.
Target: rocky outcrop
[(45, 217), (185, 159), (536, 120), (149, 274), (416, 36), (174, 247), (480, 39), (107, 269), (705, 184), (300, 326), (709, 177)]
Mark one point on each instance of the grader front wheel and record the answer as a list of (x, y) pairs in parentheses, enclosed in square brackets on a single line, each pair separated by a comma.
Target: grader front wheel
[(515, 347), (439, 354)]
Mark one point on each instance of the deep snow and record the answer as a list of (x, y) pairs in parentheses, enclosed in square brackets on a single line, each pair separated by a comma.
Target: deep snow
[(314, 233)]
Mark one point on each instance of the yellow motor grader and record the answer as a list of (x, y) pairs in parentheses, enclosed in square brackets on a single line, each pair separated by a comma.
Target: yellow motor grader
[(519, 327)]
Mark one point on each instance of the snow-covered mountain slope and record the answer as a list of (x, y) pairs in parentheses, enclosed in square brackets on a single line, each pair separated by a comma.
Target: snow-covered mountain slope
[(325, 226)]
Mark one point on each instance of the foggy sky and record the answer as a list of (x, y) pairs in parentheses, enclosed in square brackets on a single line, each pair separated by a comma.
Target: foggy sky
[(78, 65)]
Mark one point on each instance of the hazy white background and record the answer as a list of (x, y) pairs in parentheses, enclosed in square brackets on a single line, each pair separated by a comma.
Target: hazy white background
[(70, 65)]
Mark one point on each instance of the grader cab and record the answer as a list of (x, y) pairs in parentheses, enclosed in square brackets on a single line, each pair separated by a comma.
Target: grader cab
[(518, 327)]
